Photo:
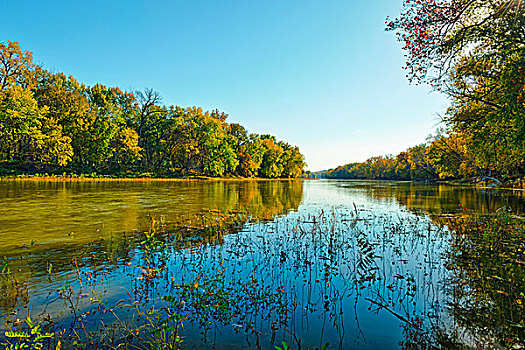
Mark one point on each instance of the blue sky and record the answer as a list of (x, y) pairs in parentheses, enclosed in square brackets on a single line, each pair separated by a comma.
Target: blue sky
[(323, 75)]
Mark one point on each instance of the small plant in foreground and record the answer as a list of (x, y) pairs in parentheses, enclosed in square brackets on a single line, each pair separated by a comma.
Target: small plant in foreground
[(33, 338)]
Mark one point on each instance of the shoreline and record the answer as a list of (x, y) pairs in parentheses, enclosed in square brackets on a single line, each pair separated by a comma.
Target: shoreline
[(472, 184), (109, 178)]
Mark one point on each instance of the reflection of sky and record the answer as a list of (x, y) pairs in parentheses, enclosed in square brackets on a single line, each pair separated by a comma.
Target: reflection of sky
[(407, 250), (412, 195), (342, 193)]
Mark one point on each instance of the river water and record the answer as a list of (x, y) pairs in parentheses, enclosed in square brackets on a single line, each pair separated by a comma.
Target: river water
[(357, 264)]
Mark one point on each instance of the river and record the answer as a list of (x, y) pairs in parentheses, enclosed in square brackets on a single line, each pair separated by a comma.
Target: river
[(357, 264)]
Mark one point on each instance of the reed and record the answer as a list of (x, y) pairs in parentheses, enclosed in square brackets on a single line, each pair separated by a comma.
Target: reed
[(294, 282)]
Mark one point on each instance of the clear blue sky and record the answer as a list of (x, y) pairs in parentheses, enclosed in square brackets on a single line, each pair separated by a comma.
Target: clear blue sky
[(323, 75)]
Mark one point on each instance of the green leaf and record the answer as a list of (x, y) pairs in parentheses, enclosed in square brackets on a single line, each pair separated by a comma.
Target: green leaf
[(16, 334), (29, 322)]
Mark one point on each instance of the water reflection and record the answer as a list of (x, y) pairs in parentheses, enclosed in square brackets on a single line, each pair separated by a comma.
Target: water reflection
[(432, 198), (46, 228), (359, 264), (73, 213)]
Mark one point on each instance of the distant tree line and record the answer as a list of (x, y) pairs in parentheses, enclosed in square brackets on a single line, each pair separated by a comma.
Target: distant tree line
[(446, 156), (51, 122), (410, 165), (473, 51)]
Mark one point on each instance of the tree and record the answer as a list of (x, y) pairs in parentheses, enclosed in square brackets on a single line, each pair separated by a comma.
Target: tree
[(66, 102), (449, 155), (16, 66), (111, 142), (438, 33), (402, 166), (50, 119), (148, 106), (250, 154), (292, 160), (474, 51), (28, 133), (125, 148), (219, 157), (420, 165), (271, 165)]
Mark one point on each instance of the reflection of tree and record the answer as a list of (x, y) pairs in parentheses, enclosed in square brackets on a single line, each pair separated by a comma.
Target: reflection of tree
[(440, 198), (253, 200), (261, 199), (482, 301), (488, 264)]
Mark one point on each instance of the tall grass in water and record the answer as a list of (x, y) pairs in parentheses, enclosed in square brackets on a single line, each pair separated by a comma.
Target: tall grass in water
[(301, 279)]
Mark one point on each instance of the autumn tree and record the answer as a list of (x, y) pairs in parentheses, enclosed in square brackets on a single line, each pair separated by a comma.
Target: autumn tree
[(474, 52), (219, 157), (402, 169), (149, 101), (271, 165), (112, 143), (292, 160), (66, 102), (438, 33), (28, 133), (16, 66), (450, 155), (52, 120)]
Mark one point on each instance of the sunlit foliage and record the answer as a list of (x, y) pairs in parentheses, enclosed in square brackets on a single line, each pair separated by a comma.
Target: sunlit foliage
[(474, 52), (52, 122)]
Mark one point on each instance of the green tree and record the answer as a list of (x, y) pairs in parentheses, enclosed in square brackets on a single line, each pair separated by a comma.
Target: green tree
[(51, 119), (420, 165), (66, 103), (474, 51), (271, 165), (292, 161), (28, 133)]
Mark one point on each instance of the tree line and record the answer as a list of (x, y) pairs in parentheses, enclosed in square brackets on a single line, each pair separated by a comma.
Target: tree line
[(413, 164), (473, 51), (51, 122)]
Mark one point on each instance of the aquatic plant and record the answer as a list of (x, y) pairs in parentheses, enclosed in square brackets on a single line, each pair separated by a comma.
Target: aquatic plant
[(29, 335), (264, 282)]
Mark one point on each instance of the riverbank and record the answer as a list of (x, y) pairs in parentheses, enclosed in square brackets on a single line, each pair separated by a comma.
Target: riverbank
[(518, 184), (138, 178)]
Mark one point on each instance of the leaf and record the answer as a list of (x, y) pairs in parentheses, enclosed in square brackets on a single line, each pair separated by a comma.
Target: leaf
[(16, 334), (29, 322)]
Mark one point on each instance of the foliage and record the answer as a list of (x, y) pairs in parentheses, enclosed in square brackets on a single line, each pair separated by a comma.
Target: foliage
[(439, 33), (50, 122), (15, 66), (412, 164), (474, 52), (33, 338), (28, 132)]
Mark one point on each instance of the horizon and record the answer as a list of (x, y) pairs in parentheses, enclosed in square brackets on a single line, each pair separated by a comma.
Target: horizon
[(326, 78)]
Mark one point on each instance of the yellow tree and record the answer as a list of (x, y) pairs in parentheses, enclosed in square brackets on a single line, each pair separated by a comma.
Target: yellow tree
[(16, 66), (28, 133)]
